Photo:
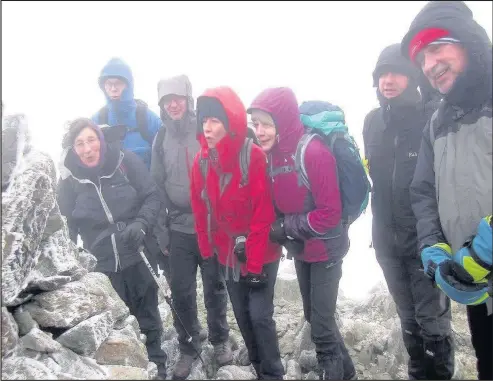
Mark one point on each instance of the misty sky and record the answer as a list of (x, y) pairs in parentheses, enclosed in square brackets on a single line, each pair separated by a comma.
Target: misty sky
[(53, 52)]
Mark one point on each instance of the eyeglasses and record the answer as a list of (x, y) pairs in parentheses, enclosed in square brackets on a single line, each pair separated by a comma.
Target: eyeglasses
[(117, 84), (79, 145), (176, 98)]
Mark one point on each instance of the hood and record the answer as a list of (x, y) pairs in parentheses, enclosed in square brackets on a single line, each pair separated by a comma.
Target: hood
[(282, 105), (473, 87), (179, 85), (391, 59), (70, 164), (116, 67), (229, 147)]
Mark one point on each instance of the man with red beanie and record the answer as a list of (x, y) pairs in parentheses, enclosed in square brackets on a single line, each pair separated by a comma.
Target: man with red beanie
[(233, 209), (451, 191)]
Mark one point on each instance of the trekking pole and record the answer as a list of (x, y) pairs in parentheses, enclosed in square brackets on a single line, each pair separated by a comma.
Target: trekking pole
[(167, 297)]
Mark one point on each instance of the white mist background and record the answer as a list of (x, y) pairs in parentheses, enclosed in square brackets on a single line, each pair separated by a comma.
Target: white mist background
[(53, 52)]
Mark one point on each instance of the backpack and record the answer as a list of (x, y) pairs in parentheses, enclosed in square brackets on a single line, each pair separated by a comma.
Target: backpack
[(327, 121), (140, 116)]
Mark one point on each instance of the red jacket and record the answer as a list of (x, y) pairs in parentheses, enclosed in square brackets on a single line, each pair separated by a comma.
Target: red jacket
[(239, 210)]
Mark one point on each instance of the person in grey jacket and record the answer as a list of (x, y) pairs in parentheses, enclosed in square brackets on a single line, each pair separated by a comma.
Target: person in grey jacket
[(173, 152), (451, 192)]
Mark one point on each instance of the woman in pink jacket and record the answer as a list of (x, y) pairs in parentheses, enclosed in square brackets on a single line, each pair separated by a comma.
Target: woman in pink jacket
[(309, 220)]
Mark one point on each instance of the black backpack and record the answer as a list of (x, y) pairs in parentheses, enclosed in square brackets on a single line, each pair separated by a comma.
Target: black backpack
[(140, 115)]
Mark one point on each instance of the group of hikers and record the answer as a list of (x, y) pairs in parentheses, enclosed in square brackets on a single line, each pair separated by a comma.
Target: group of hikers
[(196, 187)]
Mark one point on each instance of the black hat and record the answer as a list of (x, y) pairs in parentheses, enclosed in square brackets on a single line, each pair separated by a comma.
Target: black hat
[(391, 59), (209, 107)]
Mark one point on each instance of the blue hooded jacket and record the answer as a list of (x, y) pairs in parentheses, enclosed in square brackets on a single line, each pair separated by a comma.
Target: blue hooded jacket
[(123, 111)]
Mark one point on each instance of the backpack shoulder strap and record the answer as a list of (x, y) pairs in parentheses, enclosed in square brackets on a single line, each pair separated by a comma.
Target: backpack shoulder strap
[(245, 153), (299, 159), (103, 115), (158, 141), (204, 166), (141, 117)]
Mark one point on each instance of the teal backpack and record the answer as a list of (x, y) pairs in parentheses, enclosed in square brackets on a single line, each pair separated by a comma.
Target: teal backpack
[(327, 121)]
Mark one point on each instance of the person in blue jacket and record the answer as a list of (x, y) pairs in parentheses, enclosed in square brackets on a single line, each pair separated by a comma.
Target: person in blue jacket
[(117, 83)]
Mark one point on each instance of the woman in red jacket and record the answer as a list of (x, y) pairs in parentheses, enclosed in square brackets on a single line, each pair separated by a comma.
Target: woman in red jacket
[(309, 221), (233, 218)]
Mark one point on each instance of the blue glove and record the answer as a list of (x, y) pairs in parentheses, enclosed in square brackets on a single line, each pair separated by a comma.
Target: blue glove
[(476, 255), (458, 285), (432, 256)]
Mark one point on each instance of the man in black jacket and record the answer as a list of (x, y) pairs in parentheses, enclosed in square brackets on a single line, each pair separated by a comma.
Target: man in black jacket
[(392, 136)]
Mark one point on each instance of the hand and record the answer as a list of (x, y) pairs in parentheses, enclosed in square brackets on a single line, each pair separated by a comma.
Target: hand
[(432, 256), (134, 234), (457, 284), (475, 257), (166, 252), (240, 249), (255, 281), (277, 232)]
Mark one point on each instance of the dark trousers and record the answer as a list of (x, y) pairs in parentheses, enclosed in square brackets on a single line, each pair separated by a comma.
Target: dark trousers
[(319, 287), (254, 310), (481, 327), (184, 259), (425, 316), (138, 290)]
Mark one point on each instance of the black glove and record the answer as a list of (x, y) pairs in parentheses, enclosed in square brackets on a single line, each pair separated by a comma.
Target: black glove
[(134, 234), (277, 232), (294, 247), (240, 249), (255, 281)]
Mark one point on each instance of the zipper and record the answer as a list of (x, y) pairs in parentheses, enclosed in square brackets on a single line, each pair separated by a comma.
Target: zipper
[(106, 209), (396, 142), (111, 220)]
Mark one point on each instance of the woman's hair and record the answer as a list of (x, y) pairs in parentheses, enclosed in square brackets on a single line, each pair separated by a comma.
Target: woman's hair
[(74, 129)]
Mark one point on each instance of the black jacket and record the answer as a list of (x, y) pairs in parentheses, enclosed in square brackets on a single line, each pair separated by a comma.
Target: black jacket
[(392, 137), (122, 190)]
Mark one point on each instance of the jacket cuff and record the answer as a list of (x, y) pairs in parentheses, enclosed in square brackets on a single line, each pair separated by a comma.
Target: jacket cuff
[(298, 227), (144, 222)]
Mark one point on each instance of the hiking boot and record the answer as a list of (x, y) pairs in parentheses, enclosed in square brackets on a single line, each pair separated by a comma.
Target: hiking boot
[(203, 334), (183, 366), (223, 353)]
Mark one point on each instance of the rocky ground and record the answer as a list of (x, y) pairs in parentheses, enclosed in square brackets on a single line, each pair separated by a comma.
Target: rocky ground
[(61, 320), (370, 329)]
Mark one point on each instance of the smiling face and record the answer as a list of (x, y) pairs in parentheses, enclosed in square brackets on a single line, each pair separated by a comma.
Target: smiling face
[(442, 64), (392, 85), (265, 129), (88, 147)]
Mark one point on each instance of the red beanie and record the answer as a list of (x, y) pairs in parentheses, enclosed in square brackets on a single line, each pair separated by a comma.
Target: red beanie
[(426, 37)]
